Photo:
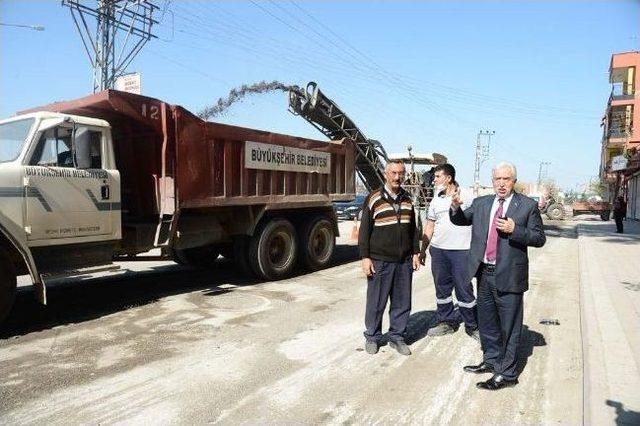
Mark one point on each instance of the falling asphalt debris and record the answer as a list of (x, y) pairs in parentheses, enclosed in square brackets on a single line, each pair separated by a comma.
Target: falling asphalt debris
[(238, 93)]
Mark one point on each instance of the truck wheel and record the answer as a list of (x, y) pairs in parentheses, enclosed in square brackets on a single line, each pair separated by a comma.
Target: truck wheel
[(555, 212), (605, 215), (200, 257), (8, 284), (317, 242), (273, 249)]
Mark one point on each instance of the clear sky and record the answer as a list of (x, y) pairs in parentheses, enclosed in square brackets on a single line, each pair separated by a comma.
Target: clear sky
[(428, 74)]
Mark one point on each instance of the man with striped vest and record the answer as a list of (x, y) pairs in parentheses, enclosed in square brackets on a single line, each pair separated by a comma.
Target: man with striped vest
[(389, 244)]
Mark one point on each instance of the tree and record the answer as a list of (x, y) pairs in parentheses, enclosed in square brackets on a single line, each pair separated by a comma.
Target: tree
[(598, 187), (519, 187), (571, 195)]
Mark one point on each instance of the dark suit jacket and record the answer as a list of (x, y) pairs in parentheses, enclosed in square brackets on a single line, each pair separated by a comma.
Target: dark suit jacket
[(512, 262)]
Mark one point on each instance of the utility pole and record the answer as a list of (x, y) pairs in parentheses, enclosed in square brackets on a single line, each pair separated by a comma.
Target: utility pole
[(122, 26), (482, 153), (541, 175)]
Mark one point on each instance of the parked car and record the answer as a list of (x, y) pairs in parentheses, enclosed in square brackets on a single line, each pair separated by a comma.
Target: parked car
[(349, 210)]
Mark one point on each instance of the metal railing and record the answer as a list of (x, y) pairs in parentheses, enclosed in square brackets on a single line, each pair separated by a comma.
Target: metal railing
[(622, 92), (620, 133)]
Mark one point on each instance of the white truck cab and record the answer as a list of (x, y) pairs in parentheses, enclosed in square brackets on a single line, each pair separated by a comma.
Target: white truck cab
[(59, 197)]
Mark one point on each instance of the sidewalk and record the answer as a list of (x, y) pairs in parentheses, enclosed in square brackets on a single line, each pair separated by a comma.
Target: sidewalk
[(610, 310)]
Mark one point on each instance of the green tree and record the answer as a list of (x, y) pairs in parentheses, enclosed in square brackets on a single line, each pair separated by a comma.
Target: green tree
[(597, 187)]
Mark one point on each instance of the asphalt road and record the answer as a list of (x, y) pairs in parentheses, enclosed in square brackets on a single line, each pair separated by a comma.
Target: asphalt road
[(158, 343)]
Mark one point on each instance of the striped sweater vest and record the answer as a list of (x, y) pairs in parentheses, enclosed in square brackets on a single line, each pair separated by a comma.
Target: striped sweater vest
[(383, 212)]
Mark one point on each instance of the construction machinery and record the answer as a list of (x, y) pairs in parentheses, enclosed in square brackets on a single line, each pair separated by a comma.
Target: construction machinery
[(326, 116)]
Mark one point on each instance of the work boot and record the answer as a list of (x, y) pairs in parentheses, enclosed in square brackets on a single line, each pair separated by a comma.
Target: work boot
[(371, 347), (401, 347), (441, 329)]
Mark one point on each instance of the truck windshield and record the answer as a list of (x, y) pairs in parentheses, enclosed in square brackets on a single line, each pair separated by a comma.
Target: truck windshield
[(12, 136)]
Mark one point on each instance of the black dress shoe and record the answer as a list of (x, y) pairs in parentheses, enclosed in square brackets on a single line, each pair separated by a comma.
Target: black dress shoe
[(483, 367), (497, 382)]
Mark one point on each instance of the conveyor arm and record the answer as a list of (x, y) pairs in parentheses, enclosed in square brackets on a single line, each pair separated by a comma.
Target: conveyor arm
[(326, 116)]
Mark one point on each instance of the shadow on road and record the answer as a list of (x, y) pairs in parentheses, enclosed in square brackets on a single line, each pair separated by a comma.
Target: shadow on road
[(418, 326), (77, 300), (607, 231), (528, 340), (558, 229), (624, 416), (631, 286)]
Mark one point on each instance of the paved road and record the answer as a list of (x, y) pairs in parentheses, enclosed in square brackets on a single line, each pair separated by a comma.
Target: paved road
[(169, 345)]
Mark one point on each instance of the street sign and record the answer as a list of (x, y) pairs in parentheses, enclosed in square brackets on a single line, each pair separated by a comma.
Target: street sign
[(129, 83), (619, 162)]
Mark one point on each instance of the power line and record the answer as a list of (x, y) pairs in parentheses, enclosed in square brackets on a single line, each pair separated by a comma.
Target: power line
[(384, 76), (31, 27), (234, 41), (449, 89)]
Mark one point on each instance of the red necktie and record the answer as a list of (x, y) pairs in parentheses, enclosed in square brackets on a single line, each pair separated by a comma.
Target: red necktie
[(492, 241)]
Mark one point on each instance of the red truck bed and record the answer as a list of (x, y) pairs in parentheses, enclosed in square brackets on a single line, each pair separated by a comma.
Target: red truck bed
[(170, 159)]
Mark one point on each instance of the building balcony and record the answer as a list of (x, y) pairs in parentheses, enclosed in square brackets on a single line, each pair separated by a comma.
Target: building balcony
[(621, 99), (620, 133), (622, 92)]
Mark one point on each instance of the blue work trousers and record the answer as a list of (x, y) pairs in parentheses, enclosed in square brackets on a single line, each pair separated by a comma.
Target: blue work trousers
[(391, 280), (450, 271)]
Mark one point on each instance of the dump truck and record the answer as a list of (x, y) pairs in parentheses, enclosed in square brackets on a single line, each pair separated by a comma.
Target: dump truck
[(116, 174), (556, 211), (601, 208)]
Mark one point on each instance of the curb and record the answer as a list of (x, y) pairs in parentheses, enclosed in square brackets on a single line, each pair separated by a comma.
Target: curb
[(586, 416)]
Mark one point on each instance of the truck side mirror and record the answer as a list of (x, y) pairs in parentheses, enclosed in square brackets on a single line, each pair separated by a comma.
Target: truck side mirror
[(81, 148)]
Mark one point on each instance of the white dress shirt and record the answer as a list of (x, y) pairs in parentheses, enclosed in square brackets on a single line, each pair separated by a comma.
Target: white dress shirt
[(494, 208), (393, 196)]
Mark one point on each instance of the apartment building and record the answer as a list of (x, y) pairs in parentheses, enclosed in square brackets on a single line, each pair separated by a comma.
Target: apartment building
[(620, 155)]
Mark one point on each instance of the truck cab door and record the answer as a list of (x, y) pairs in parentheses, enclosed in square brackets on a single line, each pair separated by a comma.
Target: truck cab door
[(71, 197)]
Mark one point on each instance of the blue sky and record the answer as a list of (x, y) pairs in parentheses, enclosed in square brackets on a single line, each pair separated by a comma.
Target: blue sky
[(428, 74)]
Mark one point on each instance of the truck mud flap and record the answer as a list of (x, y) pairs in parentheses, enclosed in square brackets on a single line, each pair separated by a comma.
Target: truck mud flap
[(40, 291)]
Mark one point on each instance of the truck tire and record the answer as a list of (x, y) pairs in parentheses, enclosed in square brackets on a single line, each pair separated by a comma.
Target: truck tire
[(199, 257), (273, 249), (8, 284), (317, 243), (555, 212), (605, 215)]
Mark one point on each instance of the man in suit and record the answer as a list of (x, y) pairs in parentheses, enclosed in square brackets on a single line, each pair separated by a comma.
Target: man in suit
[(504, 225)]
